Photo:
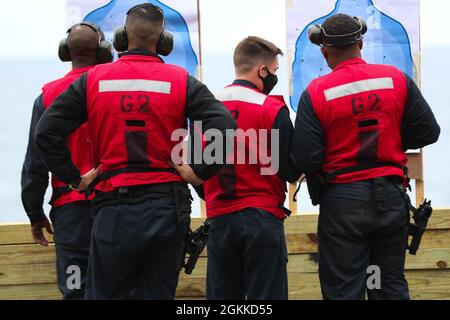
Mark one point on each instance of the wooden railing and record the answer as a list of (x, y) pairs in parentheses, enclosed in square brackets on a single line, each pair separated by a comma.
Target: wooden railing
[(27, 270)]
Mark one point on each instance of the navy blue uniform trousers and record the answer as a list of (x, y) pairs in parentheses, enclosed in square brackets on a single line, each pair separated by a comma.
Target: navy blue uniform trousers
[(72, 224), (363, 224), (136, 251), (247, 257)]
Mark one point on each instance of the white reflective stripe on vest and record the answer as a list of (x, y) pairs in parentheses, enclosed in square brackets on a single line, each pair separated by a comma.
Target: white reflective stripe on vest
[(358, 87), (237, 93), (134, 85)]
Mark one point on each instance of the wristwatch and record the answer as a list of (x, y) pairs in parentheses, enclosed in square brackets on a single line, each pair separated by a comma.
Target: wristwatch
[(74, 185)]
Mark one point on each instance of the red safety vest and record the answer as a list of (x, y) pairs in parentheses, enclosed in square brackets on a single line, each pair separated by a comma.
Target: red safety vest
[(239, 186), (360, 107), (77, 142), (134, 105)]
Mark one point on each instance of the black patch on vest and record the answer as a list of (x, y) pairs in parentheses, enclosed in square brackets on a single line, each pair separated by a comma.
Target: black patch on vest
[(227, 181), (136, 143), (135, 123), (368, 150), (367, 123)]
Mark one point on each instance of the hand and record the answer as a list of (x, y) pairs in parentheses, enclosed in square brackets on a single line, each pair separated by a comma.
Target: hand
[(87, 178), (38, 235), (186, 172)]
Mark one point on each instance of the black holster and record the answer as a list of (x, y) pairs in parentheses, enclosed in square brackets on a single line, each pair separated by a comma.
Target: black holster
[(183, 201), (194, 244), (421, 216), (418, 225)]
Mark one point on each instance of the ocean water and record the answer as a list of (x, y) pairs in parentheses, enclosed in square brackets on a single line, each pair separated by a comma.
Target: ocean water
[(20, 84), (22, 79)]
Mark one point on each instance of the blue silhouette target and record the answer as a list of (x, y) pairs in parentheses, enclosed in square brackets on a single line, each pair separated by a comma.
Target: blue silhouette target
[(386, 42), (112, 15)]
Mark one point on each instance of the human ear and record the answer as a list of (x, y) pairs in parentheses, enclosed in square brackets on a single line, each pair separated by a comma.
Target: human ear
[(262, 71)]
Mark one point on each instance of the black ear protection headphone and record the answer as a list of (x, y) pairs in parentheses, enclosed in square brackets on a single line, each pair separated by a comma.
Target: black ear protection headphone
[(317, 34), (165, 43), (104, 50)]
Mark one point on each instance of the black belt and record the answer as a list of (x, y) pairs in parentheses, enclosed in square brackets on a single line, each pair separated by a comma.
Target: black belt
[(109, 174), (330, 176), (160, 188), (136, 194), (59, 191)]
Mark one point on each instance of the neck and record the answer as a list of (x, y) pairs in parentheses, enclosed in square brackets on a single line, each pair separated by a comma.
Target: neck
[(339, 59), (256, 81), (151, 48), (83, 63)]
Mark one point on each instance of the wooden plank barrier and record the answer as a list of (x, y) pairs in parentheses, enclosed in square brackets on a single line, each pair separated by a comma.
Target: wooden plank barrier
[(27, 270)]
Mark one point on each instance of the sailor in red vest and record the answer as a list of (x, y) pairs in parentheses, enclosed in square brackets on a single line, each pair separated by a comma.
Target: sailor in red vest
[(71, 212), (142, 206), (352, 129), (247, 255)]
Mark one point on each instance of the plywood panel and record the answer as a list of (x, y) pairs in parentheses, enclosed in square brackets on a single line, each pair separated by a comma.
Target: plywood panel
[(26, 254), (18, 234), (304, 223), (27, 273), (27, 270), (45, 291), (424, 284)]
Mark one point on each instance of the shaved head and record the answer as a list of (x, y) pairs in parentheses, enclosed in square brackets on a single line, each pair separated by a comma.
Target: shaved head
[(339, 24), (144, 25), (83, 42)]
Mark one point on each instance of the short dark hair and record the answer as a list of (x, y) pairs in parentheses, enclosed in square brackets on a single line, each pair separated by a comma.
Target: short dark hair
[(253, 50), (144, 22), (340, 24), (83, 41)]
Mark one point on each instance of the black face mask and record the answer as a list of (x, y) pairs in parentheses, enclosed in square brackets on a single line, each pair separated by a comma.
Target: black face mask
[(269, 82)]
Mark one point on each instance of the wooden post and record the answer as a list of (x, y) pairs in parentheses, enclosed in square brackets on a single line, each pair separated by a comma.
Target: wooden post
[(199, 77), (202, 208), (291, 190), (416, 165), (420, 191), (199, 67), (420, 187)]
